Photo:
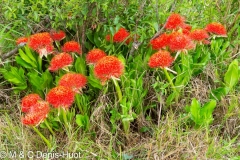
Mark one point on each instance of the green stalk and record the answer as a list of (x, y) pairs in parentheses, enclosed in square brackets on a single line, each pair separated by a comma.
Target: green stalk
[(78, 101), (169, 79), (118, 90), (65, 118), (48, 126), (43, 137)]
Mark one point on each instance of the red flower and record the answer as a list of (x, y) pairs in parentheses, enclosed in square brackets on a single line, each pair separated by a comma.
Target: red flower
[(108, 67), (59, 61), (75, 81), (28, 101), (60, 96), (186, 26), (57, 36), (160, 41), (23, 40), (42, 43), (72, 46), (121, 35), (178, 41), (160, 59), (199, 34), (174, 21), (37, 114), (216, 28), (94, 55)]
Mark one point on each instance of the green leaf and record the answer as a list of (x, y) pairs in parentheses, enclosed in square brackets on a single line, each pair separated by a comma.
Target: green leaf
[(82, 121), (26, 58), (21, 62), (94, 82), (232, 76), (219, 93), (207, 111), (80, 65), (195, 110)]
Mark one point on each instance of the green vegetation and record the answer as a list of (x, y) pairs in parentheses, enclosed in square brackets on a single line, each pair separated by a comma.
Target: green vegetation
[(188, 110)]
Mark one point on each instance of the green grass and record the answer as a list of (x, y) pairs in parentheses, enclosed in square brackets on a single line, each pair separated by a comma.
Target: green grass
[(159, 132)]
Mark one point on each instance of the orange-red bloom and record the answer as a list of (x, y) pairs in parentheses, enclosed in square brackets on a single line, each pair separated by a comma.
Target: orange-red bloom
[(199, 34), (22, 40), (57, 36), (37, 114), (59, 61), (121, 35), (160, 41), (216, 28), (160, 59), (174, 21), (42, 43), (29, 101), (60, 96), (72, 46), (108, 67), (75, 81), (179, 41), (94, 55)]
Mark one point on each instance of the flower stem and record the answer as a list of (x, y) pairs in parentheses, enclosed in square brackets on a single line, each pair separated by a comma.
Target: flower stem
[(118, 90), (43, 137), (169, 79), (49, 127)]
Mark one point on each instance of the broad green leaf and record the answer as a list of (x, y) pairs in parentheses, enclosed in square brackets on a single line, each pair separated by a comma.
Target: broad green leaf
[(207, 110), (219, 93), (195, 110), (94, 82), (23, 63), (80, 65), (232, 76), (82, 121), (26, 58)]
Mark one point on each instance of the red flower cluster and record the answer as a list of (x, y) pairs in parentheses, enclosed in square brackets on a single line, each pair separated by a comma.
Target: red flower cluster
[(59, 61), (160, 59), (42, 43), (199, 35), (23, 40), (179, 41), (72, 46), (216, 28), (35, 108), (160, 42), (94, 55), (57, 36), (75, 81), (121, 35), (29, 100), (38, 113), (108, 67), (174, 21), (60, 96)]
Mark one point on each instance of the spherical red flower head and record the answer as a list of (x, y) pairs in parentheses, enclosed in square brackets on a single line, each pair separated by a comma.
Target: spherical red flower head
[(37, 114), (60, 61), (160, 41), (42, 43), (108, 67), (121, 35), (199, 34), (22, 40), (29, 101), (174, 21), (94, 55), (160, 59), (57, 36), (60, 96), (75, 81), (72, 46), (179, 41), (216, 28)]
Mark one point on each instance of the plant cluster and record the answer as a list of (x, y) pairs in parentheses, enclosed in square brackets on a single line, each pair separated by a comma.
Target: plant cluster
[(64, 80)]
